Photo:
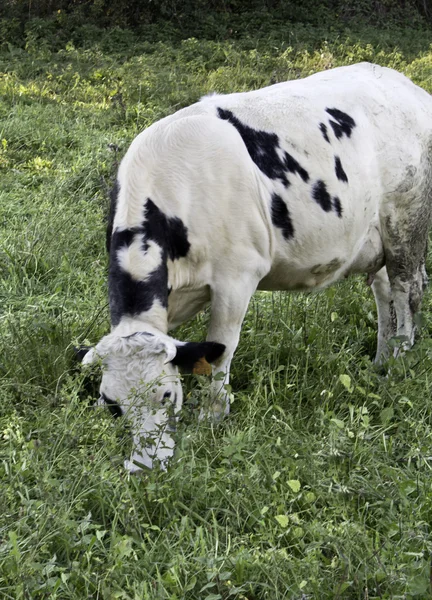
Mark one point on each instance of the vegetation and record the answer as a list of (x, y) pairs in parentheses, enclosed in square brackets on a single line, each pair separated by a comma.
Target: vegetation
[(134, 13), (318, 485)]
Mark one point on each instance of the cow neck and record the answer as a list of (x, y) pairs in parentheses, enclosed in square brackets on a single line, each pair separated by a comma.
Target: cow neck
[(130, 325)]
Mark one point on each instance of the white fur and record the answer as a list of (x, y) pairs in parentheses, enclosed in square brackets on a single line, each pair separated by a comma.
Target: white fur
[(131, 258)]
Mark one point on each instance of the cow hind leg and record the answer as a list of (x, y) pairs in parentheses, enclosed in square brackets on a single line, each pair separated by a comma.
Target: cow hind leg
[(407, 293), (386, 314), (405, 234)]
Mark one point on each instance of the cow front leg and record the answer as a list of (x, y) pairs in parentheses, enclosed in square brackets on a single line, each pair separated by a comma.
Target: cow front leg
[(219, 400), (228, 308)]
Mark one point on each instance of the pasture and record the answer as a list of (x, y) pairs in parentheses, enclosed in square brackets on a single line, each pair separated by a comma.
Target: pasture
[(318, 485)]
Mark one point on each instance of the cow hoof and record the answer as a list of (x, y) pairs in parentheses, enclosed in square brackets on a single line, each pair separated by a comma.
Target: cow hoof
[(132, 467)]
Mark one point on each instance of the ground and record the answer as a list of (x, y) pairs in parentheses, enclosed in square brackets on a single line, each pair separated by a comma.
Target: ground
[(318, 485)]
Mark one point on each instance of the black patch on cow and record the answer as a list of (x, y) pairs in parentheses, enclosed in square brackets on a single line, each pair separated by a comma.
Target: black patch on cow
[(129, 296), (343, 124), (321, 195), (190, 353), (113, 406), (340, 173), (124, 237), (169, 233), (263, 149), (281, 217), (294, 167), (112, 211), (323, 128), (337, 206)]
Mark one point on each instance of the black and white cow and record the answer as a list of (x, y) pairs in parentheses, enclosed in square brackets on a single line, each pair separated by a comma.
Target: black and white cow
[(291, 187)]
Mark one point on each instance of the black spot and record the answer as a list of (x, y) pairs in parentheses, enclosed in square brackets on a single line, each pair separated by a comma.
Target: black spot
[(112, 210), (122, 238), (340, 173), (337, 206), (169, 233), (263, 149), (343, 123), (321, 195), (132, 297), (294, 167), (281, 217), (261, 145), (190, 353), (323, 129), (113, 406)]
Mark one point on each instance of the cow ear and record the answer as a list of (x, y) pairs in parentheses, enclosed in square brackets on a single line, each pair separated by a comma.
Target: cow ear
[(195, 357), (81, 351)]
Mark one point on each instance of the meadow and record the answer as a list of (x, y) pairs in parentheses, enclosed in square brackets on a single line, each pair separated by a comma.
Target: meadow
[(319, 484)]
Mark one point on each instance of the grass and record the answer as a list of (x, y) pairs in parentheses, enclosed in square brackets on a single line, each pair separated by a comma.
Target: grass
[(319, 483)]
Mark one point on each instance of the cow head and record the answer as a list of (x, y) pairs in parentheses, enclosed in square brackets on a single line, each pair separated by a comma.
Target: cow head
[(140, 378)]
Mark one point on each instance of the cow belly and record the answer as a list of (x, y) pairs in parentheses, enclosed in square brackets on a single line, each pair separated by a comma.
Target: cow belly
[(333, 264), (370, 257), (186, 303), (286, 277)]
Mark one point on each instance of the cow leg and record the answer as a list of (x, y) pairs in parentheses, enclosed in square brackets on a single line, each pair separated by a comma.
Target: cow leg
[(405, 243), (386, 314), (407, 293), (228, 308)]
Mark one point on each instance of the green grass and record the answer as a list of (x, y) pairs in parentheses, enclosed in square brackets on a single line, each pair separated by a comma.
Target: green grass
[(319, 483)]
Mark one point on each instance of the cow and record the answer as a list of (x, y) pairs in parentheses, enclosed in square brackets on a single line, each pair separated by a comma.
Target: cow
[(290, 187)]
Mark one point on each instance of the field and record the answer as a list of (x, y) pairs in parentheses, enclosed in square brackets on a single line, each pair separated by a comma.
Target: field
[(319, 484)]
